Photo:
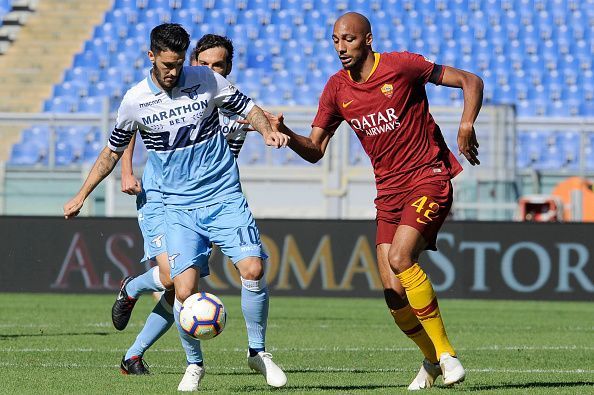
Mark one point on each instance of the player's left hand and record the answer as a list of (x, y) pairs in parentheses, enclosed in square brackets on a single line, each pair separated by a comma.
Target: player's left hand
[(130, 184), (72, 208), (468, 144)]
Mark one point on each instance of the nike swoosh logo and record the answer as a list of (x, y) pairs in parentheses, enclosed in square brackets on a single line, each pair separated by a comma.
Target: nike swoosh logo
[(346, 104)]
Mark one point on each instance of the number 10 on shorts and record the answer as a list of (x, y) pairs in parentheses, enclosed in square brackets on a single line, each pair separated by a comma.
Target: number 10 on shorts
[(248, 233)]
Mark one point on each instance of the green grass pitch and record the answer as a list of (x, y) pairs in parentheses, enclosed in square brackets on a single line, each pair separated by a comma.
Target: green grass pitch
[(65, 344)]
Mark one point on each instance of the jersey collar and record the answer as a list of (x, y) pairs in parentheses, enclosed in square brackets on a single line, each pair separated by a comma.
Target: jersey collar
[(376, 60)]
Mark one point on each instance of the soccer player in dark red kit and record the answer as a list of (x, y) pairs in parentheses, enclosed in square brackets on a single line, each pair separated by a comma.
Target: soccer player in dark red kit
[(383, 99)]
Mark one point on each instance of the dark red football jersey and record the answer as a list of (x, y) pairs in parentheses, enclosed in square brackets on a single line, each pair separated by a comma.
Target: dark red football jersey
[(390, 114)]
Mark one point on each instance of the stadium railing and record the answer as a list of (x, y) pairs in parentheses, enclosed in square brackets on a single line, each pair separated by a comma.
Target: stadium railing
[(280, 184)]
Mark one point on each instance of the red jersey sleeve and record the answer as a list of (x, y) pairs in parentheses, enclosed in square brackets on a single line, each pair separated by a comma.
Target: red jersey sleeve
[(416, 67), (328, 116)]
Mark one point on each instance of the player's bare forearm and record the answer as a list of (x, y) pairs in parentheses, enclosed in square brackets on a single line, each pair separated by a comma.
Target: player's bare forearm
[(127, 156), (310, 148), (130, 184), (259, 122), (103, 166), (472, 88), (305, 147)]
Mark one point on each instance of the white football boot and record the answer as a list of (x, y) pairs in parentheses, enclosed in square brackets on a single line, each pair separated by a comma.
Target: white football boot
[(191, 379), (452, 369), (262, 362), (426, 376)]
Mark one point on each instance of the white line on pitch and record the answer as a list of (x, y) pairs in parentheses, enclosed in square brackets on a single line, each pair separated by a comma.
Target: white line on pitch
[(302, 370), (313, 349)]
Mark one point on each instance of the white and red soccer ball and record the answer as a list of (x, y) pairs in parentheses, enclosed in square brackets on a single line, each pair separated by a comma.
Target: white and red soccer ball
[(203, 316)]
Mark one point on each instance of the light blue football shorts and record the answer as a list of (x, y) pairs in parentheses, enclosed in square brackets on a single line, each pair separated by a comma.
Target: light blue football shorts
[(229, 224), (151, 220)]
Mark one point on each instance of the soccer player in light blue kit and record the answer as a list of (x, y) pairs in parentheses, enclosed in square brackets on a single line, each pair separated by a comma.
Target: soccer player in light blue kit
[(216, 52), (175, 110)]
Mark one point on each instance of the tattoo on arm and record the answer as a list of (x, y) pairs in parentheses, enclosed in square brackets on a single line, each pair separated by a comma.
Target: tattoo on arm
[(259, 121), (103, 166)]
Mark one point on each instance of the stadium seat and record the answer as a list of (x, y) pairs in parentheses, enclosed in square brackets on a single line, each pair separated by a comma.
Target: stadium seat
[(91, 105), (63, 104), (536, 54), (24, 155)]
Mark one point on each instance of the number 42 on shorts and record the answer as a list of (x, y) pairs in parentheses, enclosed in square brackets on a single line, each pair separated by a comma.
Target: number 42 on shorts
[(431, 209)]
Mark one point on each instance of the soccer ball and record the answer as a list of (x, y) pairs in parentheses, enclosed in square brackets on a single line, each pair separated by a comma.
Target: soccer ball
[(203, 316)]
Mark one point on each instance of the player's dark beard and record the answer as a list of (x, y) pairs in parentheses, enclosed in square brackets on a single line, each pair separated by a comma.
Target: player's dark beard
[(161, 82)]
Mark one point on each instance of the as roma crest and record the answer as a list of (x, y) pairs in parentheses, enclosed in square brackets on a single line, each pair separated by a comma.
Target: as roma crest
[(388, 90)]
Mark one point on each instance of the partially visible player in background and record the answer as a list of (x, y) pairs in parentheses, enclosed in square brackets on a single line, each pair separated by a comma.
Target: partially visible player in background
[(382, 97), (215, 52), (175, 109)]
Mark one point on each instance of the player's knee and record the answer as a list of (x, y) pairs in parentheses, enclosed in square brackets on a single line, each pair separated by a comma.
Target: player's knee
[(399, 260), (252, 270)]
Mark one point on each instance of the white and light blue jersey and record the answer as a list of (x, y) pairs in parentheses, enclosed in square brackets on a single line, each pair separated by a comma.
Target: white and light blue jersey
[(184, 136)]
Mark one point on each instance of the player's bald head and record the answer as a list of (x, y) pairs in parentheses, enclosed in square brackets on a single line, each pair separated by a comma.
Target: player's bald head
[(354, 23)]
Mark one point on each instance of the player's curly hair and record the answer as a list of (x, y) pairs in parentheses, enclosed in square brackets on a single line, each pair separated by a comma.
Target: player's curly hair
[(209, 41), (169, 36)]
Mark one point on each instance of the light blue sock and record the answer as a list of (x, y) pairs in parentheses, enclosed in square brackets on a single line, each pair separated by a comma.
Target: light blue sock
[(158, 322), (191, 345), (147, 282), (254, 305)]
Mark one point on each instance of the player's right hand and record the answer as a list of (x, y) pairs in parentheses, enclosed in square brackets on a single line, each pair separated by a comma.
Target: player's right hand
[(72, 208), (130, 184), (277, 139)]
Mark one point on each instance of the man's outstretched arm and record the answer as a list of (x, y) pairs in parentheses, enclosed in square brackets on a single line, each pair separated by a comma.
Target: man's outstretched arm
[(103, 166), (261, 123), (311, 148)]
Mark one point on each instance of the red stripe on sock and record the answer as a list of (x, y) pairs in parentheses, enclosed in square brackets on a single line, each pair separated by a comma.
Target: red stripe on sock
[(413, 331), (425, 311)]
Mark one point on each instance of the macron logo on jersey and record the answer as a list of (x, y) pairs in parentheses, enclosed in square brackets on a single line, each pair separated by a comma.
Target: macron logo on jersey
[(376, 123)]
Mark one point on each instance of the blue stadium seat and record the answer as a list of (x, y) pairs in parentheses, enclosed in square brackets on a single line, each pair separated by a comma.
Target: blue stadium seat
[(66, 155), (122, 4), (536, 54), (24, 155), (71, 88), (62, 104), (152, 4), (91, 105), (91, 152)]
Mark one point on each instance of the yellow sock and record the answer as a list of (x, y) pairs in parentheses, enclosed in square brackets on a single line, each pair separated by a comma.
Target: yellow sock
[(408, 323), (423, 302)]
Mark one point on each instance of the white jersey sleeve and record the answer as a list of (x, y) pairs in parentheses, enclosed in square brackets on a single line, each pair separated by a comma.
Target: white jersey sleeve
[(125, 127), (230, 99)]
